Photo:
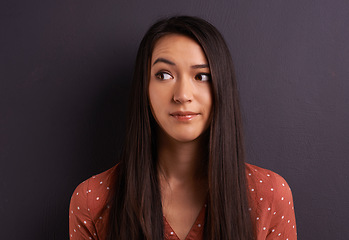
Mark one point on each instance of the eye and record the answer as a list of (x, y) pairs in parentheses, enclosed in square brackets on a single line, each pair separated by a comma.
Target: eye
[(203, 77), (163, 76)]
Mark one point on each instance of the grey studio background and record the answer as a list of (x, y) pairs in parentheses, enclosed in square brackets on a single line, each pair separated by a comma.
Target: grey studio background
[(65, 75)]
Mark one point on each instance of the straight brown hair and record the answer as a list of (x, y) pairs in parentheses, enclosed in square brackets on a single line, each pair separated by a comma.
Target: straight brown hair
[(136, 209)]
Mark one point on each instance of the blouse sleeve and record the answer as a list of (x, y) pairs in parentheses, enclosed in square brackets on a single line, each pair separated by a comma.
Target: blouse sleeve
[(81, 225), (283, 222)]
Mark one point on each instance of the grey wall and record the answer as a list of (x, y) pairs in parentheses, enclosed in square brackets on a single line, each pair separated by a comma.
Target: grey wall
[(65, 75)]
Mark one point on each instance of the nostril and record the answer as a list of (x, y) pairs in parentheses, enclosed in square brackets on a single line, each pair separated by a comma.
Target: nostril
[(181, 99)]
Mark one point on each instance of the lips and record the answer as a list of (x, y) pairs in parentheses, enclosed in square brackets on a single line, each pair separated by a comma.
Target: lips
[(184, 115)]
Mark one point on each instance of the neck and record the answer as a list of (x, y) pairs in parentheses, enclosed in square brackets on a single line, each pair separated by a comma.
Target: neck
[(182, 161)]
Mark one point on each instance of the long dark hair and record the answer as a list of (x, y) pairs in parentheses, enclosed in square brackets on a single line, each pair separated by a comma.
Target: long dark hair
[(136, 210)]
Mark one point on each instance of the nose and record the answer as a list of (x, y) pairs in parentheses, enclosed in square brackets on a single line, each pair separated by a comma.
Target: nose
[(183, 91)]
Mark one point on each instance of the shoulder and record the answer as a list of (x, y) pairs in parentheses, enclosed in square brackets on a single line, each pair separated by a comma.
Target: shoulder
[(90, 196), (267, 183), (271, 203)]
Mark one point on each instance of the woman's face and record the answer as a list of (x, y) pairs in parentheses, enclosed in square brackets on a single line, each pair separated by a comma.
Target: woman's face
[(180, 87)]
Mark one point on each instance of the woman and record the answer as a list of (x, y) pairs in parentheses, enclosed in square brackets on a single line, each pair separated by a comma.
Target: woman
[(182, 173)]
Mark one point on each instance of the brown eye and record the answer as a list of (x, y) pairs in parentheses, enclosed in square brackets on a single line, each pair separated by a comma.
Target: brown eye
[(163, 76), (203, 77)]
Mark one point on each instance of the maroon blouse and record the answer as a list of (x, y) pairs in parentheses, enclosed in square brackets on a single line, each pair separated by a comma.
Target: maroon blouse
[(270, 198)]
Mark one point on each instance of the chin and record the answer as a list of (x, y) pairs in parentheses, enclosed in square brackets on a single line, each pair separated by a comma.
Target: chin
[(185, 137)]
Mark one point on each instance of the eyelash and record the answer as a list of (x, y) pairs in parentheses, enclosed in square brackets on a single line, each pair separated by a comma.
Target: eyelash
[(160, 76), (203, 74)]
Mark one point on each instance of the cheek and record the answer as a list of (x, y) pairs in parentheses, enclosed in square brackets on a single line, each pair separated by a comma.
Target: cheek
[(206, 99), (152, 100), (156, 98)]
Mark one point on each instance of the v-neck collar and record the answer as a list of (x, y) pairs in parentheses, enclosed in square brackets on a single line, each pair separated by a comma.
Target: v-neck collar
[(196, 231)]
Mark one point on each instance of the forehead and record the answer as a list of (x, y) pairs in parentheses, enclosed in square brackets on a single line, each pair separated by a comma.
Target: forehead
[(177, 46)]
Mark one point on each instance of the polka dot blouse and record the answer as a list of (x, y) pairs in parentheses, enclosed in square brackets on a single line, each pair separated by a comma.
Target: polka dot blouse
[(271, 208)]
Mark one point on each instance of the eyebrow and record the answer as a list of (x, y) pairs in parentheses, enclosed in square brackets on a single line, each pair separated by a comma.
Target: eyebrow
[(164, 60), (200, 66)]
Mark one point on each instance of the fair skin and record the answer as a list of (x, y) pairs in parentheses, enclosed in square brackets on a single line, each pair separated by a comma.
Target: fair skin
[(181, 102)]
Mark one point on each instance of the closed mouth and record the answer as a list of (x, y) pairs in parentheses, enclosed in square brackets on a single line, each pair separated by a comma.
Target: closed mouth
[(184, 116)]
